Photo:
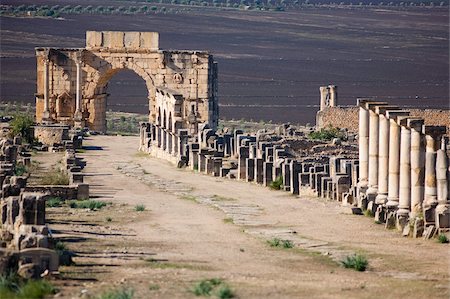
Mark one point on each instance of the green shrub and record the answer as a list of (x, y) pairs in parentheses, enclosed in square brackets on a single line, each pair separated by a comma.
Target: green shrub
[(139, 208), (225, 292), (21, 125), (277, 183), (326, 134), (356, 261), (13, 287), (205, 286), (276, 242), (442, 239), (125, 293), (87, 204), (53, 202), (108, 219), (20, 170)]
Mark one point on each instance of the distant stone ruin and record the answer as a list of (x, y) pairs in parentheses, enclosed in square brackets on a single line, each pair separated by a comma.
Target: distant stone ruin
[(72, 82)]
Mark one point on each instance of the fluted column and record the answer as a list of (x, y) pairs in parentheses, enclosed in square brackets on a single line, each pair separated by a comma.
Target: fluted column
[(405, 175), (394, 158), (417, 166), (432, 137), (443, 192), (78, 116)]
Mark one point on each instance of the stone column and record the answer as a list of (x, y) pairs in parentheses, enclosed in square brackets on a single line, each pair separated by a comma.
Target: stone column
[(383, 156), (363, 140), (432, 137), (394, 158), (323, 97), (405, 175), (46, 113), (417, 166), (333, 95), (442, 179), (78, 114), (373, 149)]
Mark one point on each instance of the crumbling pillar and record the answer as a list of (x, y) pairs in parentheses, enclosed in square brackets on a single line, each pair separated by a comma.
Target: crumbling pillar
[(323, 97), (404, 205), (333, 95), (442, 179), (432, 137), (417, 166)]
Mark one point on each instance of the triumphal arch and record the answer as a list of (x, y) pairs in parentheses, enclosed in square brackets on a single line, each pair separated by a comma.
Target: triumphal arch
[(72, 82)]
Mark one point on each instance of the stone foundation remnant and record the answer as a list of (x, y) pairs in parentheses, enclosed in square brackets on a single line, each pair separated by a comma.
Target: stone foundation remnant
[(398, 170), (25, 241), (72, 83)]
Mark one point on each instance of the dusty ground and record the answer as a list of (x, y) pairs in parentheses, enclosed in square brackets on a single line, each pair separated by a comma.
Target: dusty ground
[(195, 227)]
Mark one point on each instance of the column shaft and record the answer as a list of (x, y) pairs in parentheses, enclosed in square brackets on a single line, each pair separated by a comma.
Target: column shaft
[(46, 105), (363, 137), (405, 173), (383, 160), (417, 167), (373, 154), (78, 95)]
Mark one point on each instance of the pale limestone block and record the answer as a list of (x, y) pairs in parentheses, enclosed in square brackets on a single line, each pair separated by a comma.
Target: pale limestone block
[(149, 40), (93, 39)]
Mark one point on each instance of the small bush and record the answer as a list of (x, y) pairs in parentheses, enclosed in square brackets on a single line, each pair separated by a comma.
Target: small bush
[(87, 204), (205, 287), (326, 134), (225, 292), (125, 293), (108, 219), (277, 183), (20, 170), (21, 125), (356, 261), (139, 208), (442, 239), (153, 287), (56, 177), (368, 213), (53, 202), (275, 242)]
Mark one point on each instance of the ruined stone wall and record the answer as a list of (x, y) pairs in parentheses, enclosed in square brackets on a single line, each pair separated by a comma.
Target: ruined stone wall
[(347, 117)]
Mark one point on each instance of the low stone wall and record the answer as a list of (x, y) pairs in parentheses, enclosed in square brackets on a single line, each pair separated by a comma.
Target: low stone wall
[(63, 192), (347, 117)]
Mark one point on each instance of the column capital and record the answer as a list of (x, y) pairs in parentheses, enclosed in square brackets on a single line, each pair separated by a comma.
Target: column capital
[(361, 102), (394, 114), (434, 131), (415, 123), (384, 109), (402, 120), (373, 104)]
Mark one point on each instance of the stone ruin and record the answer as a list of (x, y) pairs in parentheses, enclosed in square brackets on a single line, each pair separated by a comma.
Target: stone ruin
[(25, 239), (404, 170), (398, 170), (72, 82)]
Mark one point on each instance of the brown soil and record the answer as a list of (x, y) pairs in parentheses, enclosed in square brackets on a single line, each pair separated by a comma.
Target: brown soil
[(196, 227)]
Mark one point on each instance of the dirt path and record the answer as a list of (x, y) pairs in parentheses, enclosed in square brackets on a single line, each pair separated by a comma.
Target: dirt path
[(196, 226)]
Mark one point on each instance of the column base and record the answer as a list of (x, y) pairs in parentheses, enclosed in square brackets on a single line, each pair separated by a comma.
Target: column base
[(372, 193), (391, 218), (46, 116), (381, 199), (442, 217), (380, 214), (402, 221), (429, 214)]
